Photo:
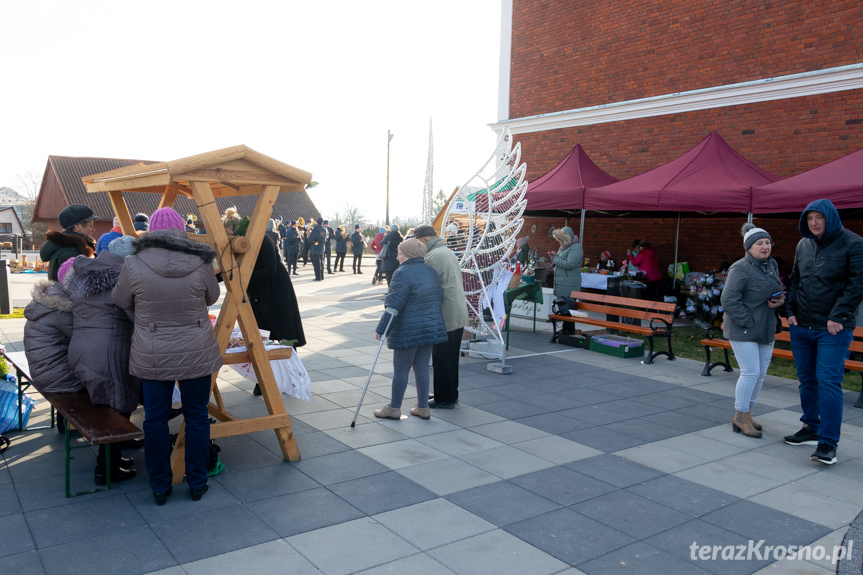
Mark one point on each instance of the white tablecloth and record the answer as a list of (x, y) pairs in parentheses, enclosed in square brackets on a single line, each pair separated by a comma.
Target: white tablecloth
[(594, 281)]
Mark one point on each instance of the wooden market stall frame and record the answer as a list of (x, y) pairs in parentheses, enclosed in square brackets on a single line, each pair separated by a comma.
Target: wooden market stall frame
[(235, 171)]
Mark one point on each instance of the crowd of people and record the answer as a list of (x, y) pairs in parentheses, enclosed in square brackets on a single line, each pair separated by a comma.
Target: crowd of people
[(101, 322)]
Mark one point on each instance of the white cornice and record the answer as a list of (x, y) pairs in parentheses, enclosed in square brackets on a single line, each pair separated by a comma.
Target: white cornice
[(782, 87)]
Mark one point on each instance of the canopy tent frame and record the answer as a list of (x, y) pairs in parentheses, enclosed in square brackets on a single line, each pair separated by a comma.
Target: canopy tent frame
[(234, 171)]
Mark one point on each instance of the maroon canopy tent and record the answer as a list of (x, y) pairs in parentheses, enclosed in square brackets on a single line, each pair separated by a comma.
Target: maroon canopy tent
[(840, 181), (562, 188), (711, 177)]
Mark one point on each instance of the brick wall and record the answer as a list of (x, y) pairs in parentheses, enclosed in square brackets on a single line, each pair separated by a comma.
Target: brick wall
[(570, 54)]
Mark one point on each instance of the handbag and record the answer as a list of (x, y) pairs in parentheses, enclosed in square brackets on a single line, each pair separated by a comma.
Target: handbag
[(9, 407), (385, 251)]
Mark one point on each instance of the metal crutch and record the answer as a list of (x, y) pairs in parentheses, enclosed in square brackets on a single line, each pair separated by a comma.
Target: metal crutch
[(393, 313)]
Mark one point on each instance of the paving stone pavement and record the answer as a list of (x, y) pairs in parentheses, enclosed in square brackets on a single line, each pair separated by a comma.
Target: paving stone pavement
[(577, 462)]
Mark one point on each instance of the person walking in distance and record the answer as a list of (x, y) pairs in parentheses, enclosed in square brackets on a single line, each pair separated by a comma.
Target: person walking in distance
[(358, 244), (328, 244), (316, 248), (292, 247), (825, 291), (445, 355)]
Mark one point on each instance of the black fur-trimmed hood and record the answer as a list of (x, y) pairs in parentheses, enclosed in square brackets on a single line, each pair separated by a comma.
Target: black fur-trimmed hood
[(171, 253), (94, 276), (175, 241)]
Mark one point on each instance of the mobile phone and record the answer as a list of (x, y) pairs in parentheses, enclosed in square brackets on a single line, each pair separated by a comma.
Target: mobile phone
[(776, 295)]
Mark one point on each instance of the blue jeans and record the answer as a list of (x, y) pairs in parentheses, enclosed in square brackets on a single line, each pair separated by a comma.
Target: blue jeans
[(754, 359), (403, 360), (157, 443), (820, 359)]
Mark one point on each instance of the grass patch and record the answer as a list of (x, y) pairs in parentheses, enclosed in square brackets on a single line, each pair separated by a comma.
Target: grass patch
[(17, 313), (685, 342)]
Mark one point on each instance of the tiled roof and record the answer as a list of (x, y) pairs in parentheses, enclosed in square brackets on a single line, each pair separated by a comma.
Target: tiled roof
[(70, 170)]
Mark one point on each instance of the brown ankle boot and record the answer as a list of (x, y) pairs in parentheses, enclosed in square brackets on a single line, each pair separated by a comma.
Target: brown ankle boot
[(742, 423), (755, 424)]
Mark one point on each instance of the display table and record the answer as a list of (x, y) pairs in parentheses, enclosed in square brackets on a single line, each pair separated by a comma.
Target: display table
[(531, 292)]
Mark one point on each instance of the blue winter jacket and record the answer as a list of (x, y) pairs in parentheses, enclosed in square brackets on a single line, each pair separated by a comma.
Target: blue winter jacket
[(106, 239), (415, 292)]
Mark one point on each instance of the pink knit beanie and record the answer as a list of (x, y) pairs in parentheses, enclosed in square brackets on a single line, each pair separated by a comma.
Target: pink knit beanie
[(166, 219), (64, 269)]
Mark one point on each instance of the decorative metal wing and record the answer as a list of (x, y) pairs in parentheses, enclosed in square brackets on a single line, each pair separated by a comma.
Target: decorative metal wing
[(480, 225)]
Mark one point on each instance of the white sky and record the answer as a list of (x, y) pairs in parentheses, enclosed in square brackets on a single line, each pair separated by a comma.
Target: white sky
[(315, 84)]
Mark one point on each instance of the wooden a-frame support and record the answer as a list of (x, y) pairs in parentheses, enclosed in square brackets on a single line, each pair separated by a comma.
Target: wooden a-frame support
[(236, 257)]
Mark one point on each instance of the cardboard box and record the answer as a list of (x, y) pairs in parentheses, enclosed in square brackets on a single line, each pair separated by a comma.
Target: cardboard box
[(617, 345)]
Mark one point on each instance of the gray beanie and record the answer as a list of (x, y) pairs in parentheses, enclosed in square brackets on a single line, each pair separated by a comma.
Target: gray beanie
[(752, 234), (122, 246)]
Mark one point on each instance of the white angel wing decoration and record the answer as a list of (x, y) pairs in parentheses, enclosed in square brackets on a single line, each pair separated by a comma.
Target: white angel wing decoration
[(481, 224)]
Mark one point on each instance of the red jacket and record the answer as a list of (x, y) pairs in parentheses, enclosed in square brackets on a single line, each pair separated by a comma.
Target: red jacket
[(648, 262), (376, 243)]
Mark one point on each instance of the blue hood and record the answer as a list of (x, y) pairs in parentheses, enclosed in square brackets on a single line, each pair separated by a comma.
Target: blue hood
[(833, 224)]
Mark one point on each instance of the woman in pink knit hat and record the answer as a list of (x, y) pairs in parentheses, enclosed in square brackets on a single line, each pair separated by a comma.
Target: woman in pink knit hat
[(168, 282)]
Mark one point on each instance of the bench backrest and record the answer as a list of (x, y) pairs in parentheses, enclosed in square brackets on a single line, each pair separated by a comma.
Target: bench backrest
[(856, 343), (624, 306)]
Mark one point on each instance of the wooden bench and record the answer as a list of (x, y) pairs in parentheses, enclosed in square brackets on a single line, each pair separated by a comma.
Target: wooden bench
[(98, 424), (710, 342), (659, 315)]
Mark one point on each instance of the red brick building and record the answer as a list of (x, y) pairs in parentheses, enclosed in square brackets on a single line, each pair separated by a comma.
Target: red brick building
[(639, 83)]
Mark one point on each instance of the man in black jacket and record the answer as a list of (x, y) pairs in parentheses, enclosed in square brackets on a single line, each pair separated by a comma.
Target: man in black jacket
[(330, 236), (825, 292)]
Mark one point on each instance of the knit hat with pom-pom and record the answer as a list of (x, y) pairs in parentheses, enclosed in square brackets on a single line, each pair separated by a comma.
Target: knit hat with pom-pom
[(752, 234)]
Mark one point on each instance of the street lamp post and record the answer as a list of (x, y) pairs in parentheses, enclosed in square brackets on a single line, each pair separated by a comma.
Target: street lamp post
[(389, 139)]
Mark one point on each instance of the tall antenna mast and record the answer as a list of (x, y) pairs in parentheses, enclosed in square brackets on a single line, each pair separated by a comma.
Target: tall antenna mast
[(428, 189)]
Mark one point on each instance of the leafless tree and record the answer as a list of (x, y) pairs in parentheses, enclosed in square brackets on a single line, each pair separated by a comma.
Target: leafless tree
[(30, 184)]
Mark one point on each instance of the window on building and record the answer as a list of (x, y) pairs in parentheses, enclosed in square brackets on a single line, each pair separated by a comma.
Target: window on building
[(5, 228)]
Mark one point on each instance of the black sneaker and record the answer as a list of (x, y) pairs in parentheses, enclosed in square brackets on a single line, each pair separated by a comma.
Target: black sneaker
[(825, 453), (803, 437)]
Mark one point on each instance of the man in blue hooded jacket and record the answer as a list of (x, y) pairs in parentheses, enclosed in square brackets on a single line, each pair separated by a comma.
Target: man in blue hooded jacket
[(825, 291)]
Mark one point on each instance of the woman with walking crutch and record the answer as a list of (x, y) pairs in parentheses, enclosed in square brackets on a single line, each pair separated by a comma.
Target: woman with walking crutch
[(416, 295)]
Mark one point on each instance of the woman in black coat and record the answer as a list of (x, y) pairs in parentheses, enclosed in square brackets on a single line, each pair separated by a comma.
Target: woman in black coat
[(391, 262), (271, 292)]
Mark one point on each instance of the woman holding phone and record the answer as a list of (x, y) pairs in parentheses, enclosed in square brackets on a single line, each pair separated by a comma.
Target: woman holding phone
[(750, 298)]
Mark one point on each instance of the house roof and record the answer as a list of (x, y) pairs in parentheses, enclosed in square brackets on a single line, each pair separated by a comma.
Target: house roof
[(70, 172)]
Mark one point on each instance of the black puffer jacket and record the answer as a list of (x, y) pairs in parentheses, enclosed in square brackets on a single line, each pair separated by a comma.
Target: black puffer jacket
[(827, 276), (102, 336), (46, 338), (392, 239)]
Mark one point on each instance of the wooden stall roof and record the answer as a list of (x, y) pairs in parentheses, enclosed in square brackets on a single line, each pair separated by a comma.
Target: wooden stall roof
[(234, 171)]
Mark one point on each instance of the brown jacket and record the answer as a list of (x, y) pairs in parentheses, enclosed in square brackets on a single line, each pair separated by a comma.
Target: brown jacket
[(168, 282)]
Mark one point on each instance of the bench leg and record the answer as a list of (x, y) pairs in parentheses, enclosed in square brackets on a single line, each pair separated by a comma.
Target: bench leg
[(708, 366), (859, 403), (555, 334), (653, 354)]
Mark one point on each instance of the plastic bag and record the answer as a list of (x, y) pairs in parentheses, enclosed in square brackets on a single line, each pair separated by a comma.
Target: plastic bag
[(291, 376), (9, 407)]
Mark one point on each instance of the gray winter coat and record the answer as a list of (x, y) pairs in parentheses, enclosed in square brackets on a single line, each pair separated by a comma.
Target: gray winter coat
[(102, 334), (46, 338), (750, 283), (444, 262), (567, 270), (168, 282)]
